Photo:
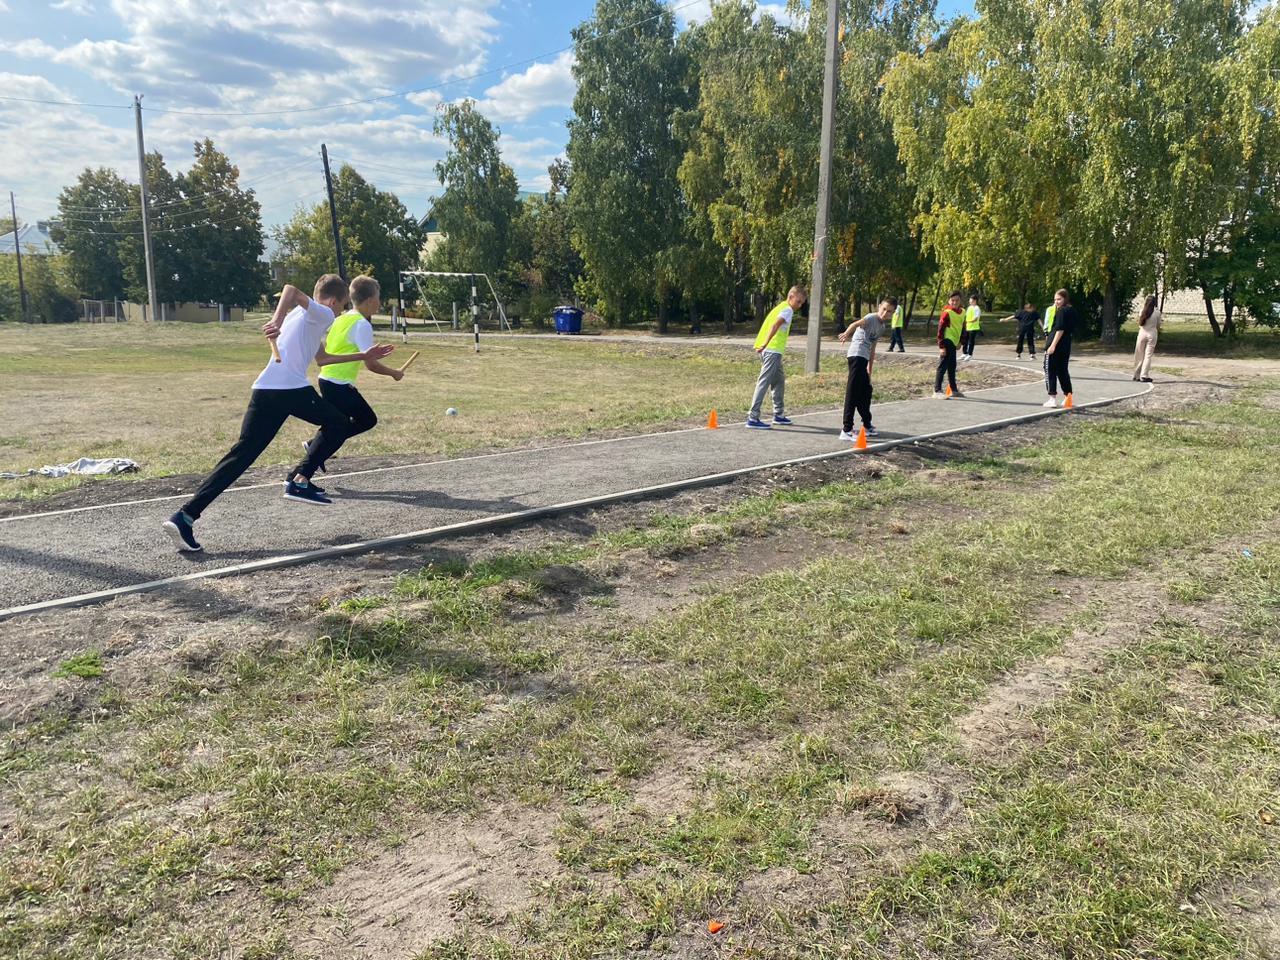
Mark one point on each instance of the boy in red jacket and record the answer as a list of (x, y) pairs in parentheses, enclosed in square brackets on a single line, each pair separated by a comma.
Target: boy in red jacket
[(950, 329)]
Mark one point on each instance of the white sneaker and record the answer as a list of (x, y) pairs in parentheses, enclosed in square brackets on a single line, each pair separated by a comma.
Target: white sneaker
[(1051, 402), (939, 395), (846, 435)]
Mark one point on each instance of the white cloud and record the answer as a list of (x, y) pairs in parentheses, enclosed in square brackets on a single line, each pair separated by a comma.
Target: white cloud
[(521, 95), (80, 7)]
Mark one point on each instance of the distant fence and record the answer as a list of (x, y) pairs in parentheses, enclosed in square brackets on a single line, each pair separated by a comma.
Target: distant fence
[(185, 312)]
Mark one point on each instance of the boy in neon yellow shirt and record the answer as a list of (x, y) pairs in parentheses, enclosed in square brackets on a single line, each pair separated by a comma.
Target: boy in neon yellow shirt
[(351, 333), (972, 326), (771, 344)]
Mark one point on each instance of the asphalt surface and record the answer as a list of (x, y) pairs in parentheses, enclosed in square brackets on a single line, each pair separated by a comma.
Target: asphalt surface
[(77, 553)]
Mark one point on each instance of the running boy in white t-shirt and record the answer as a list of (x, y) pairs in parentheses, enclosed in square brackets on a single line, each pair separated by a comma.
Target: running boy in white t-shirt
[(350, 335), (282, 390), (771, 344)]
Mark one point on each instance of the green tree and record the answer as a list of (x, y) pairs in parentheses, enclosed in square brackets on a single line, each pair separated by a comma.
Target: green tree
[(379, 237), (94, 213), (1237, 260), (479, 202), (51, 294), (221, 244), (624, 202), (1052, 141)]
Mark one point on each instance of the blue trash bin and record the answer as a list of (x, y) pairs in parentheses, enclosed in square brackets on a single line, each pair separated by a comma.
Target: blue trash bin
[(568, 320)]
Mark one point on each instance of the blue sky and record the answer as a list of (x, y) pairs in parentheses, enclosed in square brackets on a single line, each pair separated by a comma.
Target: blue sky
[(245, 57)]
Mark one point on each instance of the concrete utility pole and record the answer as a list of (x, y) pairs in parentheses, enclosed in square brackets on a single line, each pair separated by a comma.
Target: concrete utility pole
[(333, 212), (154, 313), (17, 249), (813, 345)]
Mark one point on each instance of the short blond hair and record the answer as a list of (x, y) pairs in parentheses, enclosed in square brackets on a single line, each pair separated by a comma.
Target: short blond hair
[(798, 290), (328, 287), (364, 288)]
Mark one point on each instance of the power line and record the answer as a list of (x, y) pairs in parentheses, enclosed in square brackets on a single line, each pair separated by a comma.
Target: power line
[(182, 227), (366, 100), (190, 207), (247, 185)]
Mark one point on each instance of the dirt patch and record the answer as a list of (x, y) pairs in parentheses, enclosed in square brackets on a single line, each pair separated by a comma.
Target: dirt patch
[(1252, 907), (1003, 722), (399, 903), (894, 817)]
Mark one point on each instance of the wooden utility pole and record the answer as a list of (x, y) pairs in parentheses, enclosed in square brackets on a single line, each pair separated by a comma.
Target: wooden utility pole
[(333, 212), (17, 249), (146, 225)]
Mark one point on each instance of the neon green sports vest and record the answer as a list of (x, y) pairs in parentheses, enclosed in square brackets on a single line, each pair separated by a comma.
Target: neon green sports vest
[(897, 318), (1048, 318), (973, 319), (339, 341), (955, 326), (779, 342)]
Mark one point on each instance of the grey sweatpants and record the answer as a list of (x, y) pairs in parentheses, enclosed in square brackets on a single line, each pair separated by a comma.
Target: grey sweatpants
[(772, 377)]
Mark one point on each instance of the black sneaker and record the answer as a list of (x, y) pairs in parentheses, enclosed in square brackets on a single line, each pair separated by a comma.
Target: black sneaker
[(183, 533), (306, 451), (305, 493), (314, 486)]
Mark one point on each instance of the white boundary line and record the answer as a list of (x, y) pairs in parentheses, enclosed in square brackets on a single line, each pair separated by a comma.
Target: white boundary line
[(507, 519), (479, 456)]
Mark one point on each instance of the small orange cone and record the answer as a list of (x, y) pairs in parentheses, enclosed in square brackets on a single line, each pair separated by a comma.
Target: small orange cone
[(714, 926), (1069, 403), (948, 389), (862, 440), (713, 422)]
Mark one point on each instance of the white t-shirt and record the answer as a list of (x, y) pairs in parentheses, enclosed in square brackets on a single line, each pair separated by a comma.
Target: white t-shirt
[(360, 334), (301, 337)]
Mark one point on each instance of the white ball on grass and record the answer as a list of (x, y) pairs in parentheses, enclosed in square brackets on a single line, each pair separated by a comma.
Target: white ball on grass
[(451, 412)]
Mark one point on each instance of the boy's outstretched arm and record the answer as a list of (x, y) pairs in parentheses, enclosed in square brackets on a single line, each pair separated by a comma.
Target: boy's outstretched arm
[(377, 366), (849, 330), (376, 352)]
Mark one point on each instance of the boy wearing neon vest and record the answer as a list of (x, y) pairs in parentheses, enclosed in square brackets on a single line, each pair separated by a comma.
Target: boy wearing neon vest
[(1049, 313), (972, 326), (771, 344), (950, 327), (298, 327), (896, 324), (350, 335)]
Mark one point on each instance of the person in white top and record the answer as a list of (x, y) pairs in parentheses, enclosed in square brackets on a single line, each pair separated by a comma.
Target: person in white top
[(282, 390), (1149, 321)]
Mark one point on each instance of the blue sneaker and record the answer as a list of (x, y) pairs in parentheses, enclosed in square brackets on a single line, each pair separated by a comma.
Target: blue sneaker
[(872, 432), (314, 486), (780, 421), (305, 493), (757, 424), (182, 532)]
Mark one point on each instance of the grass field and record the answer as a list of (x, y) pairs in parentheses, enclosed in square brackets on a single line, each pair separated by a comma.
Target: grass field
[(1023, 705), (171, 397)]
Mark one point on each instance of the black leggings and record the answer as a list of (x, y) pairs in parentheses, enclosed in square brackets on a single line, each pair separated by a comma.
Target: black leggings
[(268, 410), (1055, 369), (971, 341), (345, 397), (896, 340), (857, 393), (947, 365), (1027, 336)]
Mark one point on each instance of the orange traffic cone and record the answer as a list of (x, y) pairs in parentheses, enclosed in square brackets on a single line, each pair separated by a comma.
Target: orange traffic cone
[(861, 443), (948, 389), (713, 422), (1069, 403)]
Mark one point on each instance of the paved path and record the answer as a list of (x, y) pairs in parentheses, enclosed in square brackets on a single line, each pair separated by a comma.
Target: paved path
[(88, 554)]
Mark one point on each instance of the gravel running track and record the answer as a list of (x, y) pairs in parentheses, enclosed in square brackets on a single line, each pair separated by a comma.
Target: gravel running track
[(86, 554)]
